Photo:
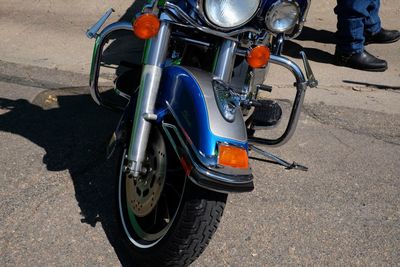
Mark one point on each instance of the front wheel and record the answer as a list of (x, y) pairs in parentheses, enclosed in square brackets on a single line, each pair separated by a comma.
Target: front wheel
[(164, 219)]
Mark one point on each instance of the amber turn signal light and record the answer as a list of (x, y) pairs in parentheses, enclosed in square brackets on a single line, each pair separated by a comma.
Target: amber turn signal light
[(146, 26), (234, 157), (258, 57)]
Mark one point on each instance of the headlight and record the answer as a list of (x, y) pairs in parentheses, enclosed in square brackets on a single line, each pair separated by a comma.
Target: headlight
[(230, 13), (282, 16)]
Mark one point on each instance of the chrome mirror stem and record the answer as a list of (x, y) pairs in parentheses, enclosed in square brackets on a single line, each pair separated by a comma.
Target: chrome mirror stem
[(92, 31)]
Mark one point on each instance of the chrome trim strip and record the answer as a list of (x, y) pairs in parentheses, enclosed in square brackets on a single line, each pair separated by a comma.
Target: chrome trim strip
[(198, 153), (228, 181)]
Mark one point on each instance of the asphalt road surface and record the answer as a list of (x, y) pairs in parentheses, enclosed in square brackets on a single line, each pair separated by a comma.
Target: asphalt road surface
[(57, 187)]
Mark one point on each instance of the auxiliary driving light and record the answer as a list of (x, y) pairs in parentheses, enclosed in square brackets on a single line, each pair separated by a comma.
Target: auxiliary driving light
[(146, 26), (283, 16)]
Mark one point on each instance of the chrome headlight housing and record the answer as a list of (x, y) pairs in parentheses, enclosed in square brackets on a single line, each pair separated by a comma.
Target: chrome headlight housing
[(282, 16), (228, 14)]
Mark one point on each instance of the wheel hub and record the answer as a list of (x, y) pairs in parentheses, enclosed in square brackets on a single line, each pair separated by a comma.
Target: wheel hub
[(143, 193)]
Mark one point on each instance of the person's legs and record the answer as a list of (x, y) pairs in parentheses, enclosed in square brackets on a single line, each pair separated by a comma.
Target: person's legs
[(373, 32), (372, 23), (351, 15)]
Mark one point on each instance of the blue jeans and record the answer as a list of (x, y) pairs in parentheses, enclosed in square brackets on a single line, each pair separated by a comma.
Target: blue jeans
[(355, 19)]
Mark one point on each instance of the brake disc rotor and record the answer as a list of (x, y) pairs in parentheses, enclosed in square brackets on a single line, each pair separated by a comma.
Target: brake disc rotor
[(143, 193)]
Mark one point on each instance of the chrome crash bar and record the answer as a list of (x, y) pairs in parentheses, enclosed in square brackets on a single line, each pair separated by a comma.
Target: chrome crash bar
[(301, 84), (98, 51)]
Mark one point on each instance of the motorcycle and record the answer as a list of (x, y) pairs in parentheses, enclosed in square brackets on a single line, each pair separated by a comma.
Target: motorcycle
[(192, 109)]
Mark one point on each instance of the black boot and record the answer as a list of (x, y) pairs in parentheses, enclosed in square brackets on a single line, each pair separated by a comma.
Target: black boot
[(362, 61), (382, 37)]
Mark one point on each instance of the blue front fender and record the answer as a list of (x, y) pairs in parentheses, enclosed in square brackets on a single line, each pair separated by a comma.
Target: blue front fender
[(188, 94)]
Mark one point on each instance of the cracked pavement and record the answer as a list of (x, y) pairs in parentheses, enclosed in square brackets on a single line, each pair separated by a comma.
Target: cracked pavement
[(56, 186)]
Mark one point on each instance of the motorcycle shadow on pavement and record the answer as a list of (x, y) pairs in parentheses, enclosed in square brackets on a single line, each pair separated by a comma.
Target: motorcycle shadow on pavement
[(293, 48), (74, 133)]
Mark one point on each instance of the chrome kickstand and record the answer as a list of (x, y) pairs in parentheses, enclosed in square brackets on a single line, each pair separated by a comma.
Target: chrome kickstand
[(278, 160)]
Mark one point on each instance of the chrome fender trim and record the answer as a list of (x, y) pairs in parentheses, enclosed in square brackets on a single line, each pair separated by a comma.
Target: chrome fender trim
[(204, 177)]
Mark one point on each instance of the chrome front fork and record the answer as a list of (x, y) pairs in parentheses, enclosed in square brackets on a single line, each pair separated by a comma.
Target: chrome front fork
[(154, 58), (225, 61)]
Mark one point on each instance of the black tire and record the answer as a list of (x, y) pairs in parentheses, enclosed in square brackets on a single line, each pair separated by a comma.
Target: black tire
[(185, 236)]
